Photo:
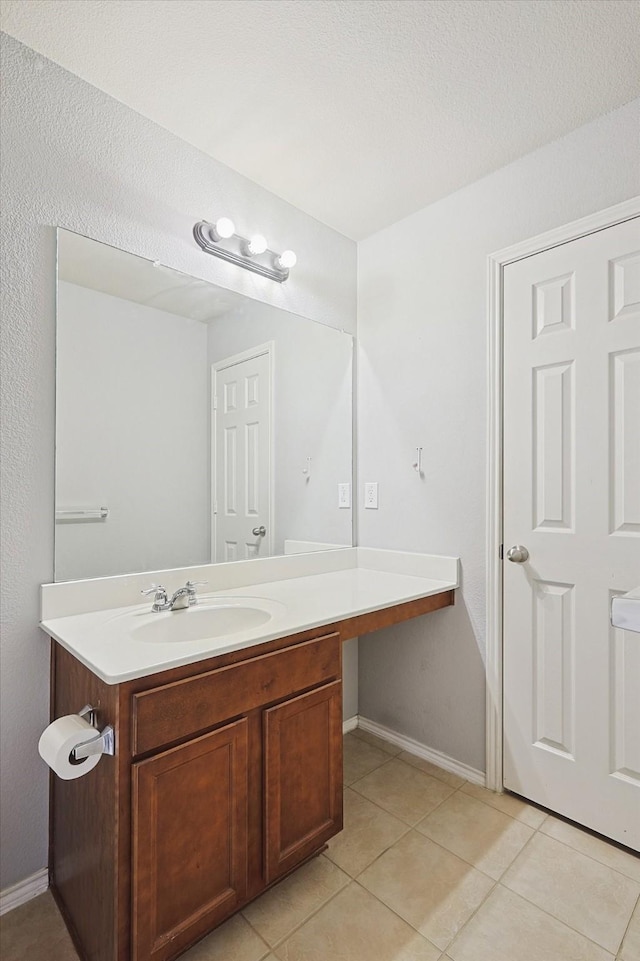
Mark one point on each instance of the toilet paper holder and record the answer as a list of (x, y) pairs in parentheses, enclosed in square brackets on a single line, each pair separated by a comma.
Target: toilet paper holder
[(103, 743)]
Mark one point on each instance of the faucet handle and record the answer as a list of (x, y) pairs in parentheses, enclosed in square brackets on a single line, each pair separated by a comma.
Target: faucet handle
[(155, 589), (191, 588)]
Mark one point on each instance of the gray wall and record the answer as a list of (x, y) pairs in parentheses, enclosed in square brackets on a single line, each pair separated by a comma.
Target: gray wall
[(73, 156), (132, 434), (422, 333)]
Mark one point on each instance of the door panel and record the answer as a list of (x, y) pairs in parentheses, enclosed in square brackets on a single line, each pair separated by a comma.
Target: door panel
[(189, 840), (242, 457), (303, 776), (572, 498)]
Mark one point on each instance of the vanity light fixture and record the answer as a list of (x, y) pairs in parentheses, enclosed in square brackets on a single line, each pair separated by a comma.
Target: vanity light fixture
[(221, 240), (223, 228)]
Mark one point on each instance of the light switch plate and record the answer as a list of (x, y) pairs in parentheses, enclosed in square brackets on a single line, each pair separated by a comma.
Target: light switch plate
[(344, 495), (371, 495)]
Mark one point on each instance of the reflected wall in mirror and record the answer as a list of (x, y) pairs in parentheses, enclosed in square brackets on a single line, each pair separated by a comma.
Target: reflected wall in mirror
[(193, 424)]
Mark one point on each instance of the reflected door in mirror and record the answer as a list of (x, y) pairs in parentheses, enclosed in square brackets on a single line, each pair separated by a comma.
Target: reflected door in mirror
[(243, 455)]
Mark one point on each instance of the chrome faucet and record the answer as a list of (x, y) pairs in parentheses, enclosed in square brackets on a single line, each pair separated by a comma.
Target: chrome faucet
[(180, 600)]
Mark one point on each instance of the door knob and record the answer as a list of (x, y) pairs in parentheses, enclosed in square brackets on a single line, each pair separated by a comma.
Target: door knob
[(518, 554), (259, 531)]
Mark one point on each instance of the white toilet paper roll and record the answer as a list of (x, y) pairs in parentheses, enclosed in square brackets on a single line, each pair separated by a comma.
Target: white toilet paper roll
[(59, 739)]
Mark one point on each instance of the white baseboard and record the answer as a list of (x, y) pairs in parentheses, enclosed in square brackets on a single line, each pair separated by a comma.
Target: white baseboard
[(350, 724), (421, 750), (24, 891)]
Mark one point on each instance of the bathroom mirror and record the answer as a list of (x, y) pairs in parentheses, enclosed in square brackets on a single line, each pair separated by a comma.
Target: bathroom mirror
[(193, 424)]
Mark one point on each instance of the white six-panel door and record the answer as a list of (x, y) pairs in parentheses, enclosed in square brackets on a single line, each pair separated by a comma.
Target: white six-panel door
[(241, 463), (572, 499)]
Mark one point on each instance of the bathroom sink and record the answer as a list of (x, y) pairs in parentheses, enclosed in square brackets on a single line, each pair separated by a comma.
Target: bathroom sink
[(220, 618)]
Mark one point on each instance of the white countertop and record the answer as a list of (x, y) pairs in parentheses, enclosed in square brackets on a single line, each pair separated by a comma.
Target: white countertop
[(365, 580)]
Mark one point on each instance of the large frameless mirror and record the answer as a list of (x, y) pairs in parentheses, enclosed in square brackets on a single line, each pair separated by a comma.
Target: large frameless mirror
[(193, 424)]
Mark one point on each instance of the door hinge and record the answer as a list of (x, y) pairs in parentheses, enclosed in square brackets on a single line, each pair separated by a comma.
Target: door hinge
[(501, 552)]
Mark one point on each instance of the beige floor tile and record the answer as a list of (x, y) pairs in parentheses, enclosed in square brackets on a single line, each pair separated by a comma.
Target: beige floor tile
[(360, 758), (630, 950), (508, 928), (233, 939), (368, 831), (35, 931), (452, 779), (429, 887), (376, 741), (479, 834), (587, 895), (508, 804), (403, 791), (593, 846), (354, 926), (279, 911)]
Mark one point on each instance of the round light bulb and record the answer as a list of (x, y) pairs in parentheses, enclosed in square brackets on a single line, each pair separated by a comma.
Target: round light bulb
[(257, 244), (225, 227), (287, 259)]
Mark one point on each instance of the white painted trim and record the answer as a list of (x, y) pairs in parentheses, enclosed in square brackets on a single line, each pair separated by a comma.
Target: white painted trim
[(421, 750), (24, 891), (599, 220), (350, 724), (496, 264)]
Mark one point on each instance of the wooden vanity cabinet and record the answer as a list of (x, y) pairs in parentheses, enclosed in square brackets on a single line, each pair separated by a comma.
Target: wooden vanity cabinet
[(227, 775), (222, 815)]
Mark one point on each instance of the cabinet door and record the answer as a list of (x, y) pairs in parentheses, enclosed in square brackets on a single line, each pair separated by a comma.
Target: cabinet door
[(189, 840), (303, 775)]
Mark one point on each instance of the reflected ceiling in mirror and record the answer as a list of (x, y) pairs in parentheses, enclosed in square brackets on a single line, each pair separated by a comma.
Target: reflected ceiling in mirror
[(193, 424)]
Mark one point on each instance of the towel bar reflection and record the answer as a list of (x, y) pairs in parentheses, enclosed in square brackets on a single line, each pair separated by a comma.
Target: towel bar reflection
[(83, 514)]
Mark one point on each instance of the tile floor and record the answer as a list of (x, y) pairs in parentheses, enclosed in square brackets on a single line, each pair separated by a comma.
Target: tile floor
[(428, 868)]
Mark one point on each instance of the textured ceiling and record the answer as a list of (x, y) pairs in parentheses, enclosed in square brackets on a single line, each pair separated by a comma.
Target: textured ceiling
[(359, 112)]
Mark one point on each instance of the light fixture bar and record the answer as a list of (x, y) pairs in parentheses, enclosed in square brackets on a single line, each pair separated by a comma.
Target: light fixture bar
[(233, 250)]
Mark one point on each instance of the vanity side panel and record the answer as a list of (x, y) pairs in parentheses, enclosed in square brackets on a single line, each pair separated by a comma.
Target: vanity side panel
[(84, 821)]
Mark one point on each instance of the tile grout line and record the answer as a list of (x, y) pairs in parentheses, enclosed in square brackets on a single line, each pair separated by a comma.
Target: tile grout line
[(548, 913), (393, 911), (308, 917), (635, 908), (590, 856), (494, 884), (376, 768)]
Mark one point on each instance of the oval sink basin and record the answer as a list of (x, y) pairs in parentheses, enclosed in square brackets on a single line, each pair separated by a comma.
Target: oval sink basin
[(199, 623)]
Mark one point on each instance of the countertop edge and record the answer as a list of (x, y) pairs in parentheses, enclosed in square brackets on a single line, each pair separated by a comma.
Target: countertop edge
[(51, 628)]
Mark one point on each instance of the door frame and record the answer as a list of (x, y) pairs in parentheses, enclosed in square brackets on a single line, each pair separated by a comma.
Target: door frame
[(497, 261), (267, 348)]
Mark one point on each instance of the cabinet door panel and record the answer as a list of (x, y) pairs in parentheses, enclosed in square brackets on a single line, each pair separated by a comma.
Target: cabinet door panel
[(189, 840), (303, 774)]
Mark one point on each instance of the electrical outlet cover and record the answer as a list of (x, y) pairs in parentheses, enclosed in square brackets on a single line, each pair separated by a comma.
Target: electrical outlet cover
[(344, 495), (371, 495)]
